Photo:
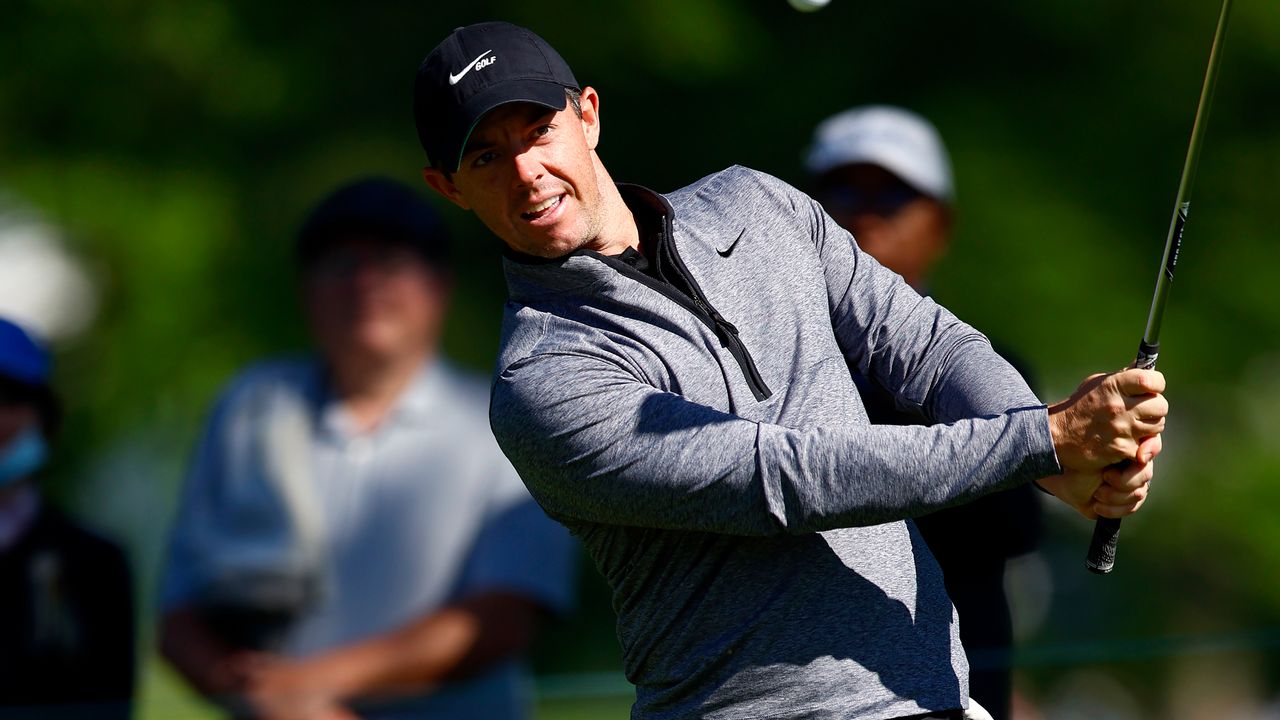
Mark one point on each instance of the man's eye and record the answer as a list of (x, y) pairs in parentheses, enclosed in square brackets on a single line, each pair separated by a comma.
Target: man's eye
[(542, 131), (483, 159)]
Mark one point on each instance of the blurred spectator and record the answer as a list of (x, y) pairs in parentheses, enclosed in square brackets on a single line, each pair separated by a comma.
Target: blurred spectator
[(66, 604), (351, 541), (884, 175)]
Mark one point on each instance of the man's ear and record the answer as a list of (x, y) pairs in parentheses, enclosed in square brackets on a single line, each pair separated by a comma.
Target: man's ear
[(440, 182), (590, 101)]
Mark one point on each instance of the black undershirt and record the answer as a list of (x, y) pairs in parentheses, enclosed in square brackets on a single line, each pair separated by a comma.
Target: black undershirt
[(649, 224)]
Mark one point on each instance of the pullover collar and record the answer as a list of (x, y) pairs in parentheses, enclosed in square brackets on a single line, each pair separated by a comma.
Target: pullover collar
[(530, 278)]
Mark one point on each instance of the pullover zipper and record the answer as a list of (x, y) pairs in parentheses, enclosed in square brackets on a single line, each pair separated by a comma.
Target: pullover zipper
[(695, 302)]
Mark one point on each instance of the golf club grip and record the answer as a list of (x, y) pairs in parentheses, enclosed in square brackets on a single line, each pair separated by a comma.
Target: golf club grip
[(1102, 547), (1106, 531)]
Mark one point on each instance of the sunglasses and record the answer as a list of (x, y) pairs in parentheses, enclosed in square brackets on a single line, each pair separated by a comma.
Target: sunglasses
[(344, 262), (883, 200)]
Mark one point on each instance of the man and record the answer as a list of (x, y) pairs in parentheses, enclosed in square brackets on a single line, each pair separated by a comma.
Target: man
[(883, 174), (673, 386), (351, 542), (66, 611)]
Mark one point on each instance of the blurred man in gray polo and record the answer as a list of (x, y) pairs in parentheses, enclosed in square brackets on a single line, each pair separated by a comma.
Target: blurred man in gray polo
[(351, 542), (883, 173)]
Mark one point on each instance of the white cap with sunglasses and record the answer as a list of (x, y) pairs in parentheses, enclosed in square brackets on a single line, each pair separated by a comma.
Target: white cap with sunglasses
[(897, 140)]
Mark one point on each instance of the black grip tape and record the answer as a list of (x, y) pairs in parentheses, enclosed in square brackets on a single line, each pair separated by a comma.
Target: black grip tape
[(1102, 548), (1148, 353)]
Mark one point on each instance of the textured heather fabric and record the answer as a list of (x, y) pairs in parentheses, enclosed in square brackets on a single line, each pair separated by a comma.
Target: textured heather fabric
[(757, 552)]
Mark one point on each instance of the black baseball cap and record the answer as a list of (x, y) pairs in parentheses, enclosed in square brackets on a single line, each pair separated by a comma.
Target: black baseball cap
[(476, 69), (380, 207)]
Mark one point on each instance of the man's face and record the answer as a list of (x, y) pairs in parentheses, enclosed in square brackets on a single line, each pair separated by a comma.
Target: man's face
[(369, 299), (904, 230), (530, 175)]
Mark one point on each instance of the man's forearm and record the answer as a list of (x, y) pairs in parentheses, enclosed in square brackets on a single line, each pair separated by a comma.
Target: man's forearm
[(453, 643)]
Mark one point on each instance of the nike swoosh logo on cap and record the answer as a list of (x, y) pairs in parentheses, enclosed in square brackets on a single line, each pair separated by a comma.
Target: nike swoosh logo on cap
[(453, 79)]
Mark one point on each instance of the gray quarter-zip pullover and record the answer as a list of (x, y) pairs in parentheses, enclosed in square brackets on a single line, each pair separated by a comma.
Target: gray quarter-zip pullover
[(705, 440)]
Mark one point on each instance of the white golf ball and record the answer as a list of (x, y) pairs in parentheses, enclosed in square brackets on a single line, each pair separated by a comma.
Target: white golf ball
[(808, 5)]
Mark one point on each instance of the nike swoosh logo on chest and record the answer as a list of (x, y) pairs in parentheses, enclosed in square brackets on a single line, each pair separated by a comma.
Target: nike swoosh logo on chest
[(728, 250)]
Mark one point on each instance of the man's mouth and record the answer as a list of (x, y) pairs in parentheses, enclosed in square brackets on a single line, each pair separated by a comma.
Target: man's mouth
[(543, 208)]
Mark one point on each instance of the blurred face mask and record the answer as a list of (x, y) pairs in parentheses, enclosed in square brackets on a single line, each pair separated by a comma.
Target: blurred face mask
[(23, 455)]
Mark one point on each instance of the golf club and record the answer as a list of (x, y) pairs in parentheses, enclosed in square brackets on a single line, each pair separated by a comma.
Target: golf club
[(1106, 531)]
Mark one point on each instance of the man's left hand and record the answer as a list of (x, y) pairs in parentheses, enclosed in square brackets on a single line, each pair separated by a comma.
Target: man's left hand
[(1113, 492)]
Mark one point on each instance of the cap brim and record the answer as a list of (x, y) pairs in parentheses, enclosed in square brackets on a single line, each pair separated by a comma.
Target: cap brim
[(904, 167), (540, 92)]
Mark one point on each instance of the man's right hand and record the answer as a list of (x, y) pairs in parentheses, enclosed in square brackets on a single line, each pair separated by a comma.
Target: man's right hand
[(1106, 436)]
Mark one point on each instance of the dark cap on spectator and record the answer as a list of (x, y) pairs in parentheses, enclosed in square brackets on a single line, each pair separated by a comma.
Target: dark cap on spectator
[(378, 207), (474, 70)]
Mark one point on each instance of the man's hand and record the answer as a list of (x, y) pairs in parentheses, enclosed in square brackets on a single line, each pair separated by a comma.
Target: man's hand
[(1106, 436), (305, 689)]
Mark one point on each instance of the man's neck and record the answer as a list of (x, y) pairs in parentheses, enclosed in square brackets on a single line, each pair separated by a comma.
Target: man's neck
[(369, 387), (619, 231)]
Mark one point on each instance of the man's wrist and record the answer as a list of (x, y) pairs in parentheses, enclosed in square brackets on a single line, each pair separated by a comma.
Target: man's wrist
[(338, 673)]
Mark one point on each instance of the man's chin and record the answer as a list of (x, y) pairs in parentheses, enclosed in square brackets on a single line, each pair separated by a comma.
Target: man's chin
[(551, 248)]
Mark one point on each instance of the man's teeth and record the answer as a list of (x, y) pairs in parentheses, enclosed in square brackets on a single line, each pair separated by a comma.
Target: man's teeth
[(544, 205)]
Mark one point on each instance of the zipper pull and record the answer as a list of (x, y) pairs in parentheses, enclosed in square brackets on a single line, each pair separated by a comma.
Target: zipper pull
[(725, 324)]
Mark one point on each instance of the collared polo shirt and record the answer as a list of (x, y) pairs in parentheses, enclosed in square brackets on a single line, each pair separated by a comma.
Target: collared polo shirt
[(417, 513)]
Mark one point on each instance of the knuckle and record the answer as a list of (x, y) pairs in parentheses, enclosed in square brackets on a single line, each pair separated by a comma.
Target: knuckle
[(1115, 405)]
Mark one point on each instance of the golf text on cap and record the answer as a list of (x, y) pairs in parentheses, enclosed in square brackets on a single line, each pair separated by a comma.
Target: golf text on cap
[(477, 64)]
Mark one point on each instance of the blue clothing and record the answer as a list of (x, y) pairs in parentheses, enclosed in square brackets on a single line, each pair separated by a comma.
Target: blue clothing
[(416, 514)]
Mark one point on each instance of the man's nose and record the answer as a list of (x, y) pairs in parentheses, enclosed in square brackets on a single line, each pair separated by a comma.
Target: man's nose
[(528, 166)]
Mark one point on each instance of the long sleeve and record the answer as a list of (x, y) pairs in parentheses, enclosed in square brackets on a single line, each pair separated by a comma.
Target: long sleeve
[(932, 363), (595, 444)]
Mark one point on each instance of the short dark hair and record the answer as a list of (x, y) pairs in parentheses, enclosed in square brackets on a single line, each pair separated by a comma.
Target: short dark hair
[(381, 207), (575, 100)]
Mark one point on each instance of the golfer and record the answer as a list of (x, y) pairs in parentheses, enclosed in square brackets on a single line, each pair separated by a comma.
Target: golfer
[(673, 385)]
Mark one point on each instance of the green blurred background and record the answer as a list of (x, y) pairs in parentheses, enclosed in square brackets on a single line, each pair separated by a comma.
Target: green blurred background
[(172, 148)]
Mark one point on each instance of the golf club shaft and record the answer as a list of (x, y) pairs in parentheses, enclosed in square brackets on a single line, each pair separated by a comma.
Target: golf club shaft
[(1106, 531)]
